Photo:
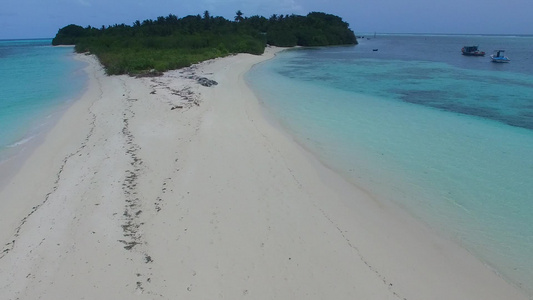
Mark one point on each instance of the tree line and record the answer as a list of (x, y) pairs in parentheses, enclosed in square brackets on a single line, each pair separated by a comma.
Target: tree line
[(171, 42)]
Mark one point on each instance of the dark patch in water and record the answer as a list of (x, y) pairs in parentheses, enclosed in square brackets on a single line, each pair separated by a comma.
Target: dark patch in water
[(431, 97), (483, 112), (524, 119), (460, 90), (520, 122), (528, 106), (326, 77), (413, 73), (3, 53), (452, 102), (489, 98), (527, 114)]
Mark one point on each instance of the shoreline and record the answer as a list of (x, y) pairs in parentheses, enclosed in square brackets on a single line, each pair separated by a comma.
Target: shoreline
[(14, 155), (42, 151), (159, 187)]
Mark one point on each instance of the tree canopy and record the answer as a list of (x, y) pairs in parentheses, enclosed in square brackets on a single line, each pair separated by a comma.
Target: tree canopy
[(171, 42)]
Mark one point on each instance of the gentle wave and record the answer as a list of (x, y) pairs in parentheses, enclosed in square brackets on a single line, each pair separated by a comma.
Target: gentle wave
[(21, 142)]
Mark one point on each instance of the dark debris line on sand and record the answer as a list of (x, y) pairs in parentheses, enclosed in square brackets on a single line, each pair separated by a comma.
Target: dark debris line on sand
[(133, 238), (9, 246)]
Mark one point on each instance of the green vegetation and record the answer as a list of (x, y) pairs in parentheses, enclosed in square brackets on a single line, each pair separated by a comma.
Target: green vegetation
[(171, 42)]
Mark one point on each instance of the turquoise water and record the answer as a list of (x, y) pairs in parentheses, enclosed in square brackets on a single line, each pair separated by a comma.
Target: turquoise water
[(36, 80), (447, 137)]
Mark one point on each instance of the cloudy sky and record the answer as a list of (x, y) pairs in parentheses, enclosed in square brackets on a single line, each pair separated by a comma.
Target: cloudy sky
[(42, 18)]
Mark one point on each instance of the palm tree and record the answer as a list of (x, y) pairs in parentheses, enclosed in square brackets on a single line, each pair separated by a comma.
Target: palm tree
[(207, 20), (238, 17)]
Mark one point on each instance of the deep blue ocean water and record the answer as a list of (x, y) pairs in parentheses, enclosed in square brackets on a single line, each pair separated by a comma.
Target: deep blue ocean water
[(36, 82), (447, 137)]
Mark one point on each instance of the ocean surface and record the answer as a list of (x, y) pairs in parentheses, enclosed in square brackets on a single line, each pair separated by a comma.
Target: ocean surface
[(449, 138), (37, 82)]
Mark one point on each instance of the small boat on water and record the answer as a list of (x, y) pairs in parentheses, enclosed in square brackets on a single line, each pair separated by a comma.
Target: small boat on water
[(498, 57), (472, 51)]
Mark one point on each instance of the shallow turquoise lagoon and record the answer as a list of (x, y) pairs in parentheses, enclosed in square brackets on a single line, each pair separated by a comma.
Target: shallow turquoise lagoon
[(448, 138), (37, 80)]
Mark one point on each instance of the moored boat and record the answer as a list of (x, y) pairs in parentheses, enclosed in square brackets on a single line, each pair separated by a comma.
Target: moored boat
[(472, 51), (498, 57)]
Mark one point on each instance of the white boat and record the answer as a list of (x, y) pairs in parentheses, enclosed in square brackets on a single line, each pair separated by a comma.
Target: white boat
[(498, 57)]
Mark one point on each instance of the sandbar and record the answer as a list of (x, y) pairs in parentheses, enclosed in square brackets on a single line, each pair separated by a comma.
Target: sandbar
[(161, 188)]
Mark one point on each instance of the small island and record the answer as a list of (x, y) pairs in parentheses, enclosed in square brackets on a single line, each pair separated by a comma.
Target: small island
[(171, 43)]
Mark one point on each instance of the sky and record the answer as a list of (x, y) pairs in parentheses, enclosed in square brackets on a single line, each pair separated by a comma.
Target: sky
[(43, 18)]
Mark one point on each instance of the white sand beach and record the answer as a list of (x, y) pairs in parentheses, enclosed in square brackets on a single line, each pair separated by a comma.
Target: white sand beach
[(160, 188)]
